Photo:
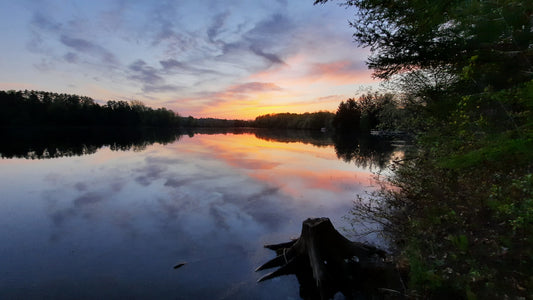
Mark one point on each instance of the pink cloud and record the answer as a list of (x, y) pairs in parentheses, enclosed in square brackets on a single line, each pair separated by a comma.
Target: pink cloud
[(253, 87), (339, 72)]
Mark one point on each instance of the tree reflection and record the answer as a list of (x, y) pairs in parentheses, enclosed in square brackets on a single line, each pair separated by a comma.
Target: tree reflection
[(313, 137), (365, 151), (39, 143)]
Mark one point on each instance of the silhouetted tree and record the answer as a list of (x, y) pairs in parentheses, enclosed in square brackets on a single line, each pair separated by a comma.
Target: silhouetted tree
[(372, 106), (347, 117), (314, 121), (35, 108)]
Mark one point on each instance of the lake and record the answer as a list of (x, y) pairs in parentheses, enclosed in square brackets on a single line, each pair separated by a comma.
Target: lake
[(107, 213)]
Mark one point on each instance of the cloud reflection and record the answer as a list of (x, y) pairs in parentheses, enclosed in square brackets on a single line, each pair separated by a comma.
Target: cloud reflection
[(221, 183), (208, 200)]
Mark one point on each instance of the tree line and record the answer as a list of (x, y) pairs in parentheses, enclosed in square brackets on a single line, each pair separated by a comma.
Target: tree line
[(38, 108), (192, 122), (461, 212), (313, 121), (371, 111)]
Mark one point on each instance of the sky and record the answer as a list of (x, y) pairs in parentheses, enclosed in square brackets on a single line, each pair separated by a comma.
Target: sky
[(233, 59)]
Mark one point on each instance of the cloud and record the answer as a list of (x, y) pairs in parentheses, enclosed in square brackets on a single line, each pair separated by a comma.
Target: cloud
[(235, 97), (150, 173), (268, 30), (71, 57), (87, 47), (176, 183), (239, 93), (43, 30), (172, 63), (265, 34), (329, 99), (81, 186), (173, 42), (268, 39), (144, 73), (174, 67), (341, 72), (207, 50), (217, 26), (273, 58), (87, 199), (81, 206), (333, 72), (337, 67), (45, 23), (57, 43), (254, 87), (268, 34), (150, 77), (162, 27)]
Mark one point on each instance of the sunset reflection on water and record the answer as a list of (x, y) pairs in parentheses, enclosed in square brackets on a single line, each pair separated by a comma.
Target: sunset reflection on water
[(119, 220)]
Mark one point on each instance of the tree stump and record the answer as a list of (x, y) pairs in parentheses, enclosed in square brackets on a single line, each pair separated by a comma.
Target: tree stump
[(325, 263)]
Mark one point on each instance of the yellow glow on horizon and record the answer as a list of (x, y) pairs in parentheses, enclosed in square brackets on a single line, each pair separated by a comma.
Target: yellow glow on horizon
[(262, 103), (251, 112), (303, 84)]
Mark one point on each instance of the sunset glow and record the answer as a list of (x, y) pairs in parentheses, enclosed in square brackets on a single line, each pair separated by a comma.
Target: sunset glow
[(278, 163), (199, 58)]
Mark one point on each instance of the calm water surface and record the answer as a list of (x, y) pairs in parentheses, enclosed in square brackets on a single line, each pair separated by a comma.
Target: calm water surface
[(113, 222)]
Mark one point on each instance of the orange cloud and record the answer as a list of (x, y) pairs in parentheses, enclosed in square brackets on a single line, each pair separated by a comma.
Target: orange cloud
[(340, 72), (300, 70), (300, 85)]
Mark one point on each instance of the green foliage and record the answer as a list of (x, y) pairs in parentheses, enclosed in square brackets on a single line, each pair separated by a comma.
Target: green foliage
[(460, 242), (463, 232), (461, 208), (495, 152), (464, 203), (519, 214)]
